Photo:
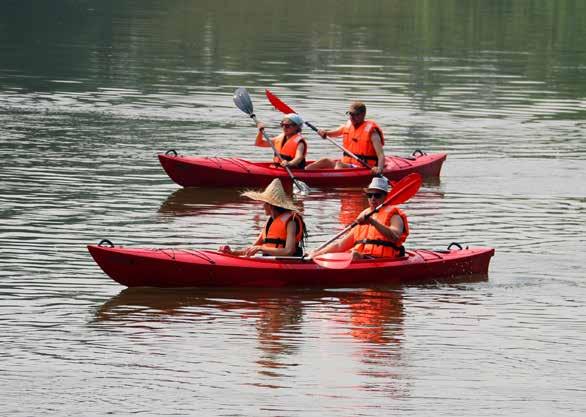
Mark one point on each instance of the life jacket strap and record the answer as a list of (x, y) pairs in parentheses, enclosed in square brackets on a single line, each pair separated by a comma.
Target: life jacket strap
[(367, 157), (301, 165), (275, 241)]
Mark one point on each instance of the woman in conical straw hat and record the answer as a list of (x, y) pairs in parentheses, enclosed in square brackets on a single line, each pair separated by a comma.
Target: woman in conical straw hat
[(284, 233)]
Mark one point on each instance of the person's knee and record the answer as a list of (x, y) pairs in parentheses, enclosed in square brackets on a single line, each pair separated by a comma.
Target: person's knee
[(322, 163)]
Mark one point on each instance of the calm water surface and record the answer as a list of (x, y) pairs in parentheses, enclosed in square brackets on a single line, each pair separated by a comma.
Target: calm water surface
[(91, 91)]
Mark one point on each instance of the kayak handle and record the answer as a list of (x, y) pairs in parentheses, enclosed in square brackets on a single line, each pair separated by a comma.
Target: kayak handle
[(106, 242), (418, 152), (171, 152), (455, 244)]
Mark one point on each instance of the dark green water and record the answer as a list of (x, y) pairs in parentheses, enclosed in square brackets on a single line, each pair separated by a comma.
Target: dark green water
[(91, 91)]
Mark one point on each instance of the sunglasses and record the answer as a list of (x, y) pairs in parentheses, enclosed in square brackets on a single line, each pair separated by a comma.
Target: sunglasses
[(374, 195), (353, 113), (287, 125)]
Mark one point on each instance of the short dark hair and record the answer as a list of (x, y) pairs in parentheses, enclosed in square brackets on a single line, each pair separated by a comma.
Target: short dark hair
[(358, 106)]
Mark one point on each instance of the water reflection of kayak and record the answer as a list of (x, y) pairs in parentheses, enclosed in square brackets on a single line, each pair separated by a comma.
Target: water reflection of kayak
[(193, 201), (353, 202), (190, 201), (190, 171), (136, 267)]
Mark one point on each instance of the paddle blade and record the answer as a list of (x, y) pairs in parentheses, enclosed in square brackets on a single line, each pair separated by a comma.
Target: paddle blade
[(403, 190), (243, 101), (278, 104), (338, 260), (299, 187)]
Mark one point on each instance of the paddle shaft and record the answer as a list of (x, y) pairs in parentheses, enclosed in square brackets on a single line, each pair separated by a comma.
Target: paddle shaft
[(401, 192), (346, 151), (295, 180), (353, 224)]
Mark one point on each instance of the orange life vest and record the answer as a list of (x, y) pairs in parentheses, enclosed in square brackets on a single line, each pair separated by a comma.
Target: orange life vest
[(369, 241), (287, 151), (357, 140), (274, 234)]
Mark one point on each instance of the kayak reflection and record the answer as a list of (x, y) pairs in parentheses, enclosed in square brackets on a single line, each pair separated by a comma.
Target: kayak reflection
[(195, 201), (369, 316), (285, 321), (353, 200)]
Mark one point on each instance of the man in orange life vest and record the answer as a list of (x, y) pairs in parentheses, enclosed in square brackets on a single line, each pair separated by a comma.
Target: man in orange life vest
[(377, 236), (364, 138), (290, 144)]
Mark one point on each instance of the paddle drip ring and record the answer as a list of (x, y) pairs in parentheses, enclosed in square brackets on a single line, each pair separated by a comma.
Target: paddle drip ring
[(418, 152), (455, 244), (106, 242), (171, 152)]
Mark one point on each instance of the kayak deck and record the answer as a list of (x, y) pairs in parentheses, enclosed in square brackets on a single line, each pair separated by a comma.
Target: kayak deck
[(136, 267), (191, 171)]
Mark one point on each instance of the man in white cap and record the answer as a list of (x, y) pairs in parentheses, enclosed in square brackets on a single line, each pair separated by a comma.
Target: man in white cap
[(379, 235), (290, 144)]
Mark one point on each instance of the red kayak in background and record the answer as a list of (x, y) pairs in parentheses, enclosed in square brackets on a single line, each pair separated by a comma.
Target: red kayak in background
[(192, 171), (135, 267)]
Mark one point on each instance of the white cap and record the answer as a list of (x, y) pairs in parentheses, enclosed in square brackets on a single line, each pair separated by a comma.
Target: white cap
[(378, 183), (295, 118)]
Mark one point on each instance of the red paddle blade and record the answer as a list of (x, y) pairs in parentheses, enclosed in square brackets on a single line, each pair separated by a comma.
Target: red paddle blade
[(403, 190), (278, 104), (338, 260)]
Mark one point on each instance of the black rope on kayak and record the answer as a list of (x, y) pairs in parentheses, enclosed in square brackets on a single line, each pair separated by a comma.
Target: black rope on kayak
[(237, 162), (106, 241), (200, 255), (164, 251), (216, 160), (418, 152), (455, 244), (171, 152)]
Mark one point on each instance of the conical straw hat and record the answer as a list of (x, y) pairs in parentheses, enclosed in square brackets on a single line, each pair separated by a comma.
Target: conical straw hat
[(274, 194)]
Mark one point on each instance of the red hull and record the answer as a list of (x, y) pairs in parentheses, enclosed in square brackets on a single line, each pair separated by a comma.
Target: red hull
[(203, 268), (189, 171)]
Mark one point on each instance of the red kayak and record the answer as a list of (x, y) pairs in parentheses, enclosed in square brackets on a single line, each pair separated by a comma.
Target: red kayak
[(192, 171), (205, 268)]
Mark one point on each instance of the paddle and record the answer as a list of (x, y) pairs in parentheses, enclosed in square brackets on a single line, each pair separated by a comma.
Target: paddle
[(284, 108), (402, 191), (244, 103)]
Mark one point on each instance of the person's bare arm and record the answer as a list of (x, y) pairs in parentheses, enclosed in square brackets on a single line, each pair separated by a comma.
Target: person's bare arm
[(340, 245), (260, 139), (380, 154)]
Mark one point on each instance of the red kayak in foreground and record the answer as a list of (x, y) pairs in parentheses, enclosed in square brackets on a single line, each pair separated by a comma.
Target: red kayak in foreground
[(204, 268), (191, 171)]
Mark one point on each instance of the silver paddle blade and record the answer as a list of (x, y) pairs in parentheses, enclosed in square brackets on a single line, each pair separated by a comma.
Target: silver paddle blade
[(243, 101), (299, 187)]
